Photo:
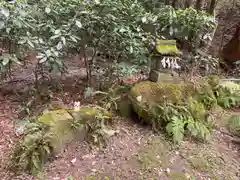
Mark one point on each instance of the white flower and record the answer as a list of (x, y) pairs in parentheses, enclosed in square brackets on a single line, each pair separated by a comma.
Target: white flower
[(76, 106), (168, 170), (139, 98)]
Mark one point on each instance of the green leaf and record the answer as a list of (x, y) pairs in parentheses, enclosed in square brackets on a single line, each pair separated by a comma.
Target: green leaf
[(59, 45), (5, 12), (7, 30), (57, 32), (55, 36), (97, 1), (16, 61), (36, 161), (47, 149), (78, 24), (48, 53), (2, 24), (192, 129), (177, 129), (47, 10), (144, 19), (73, 39), (63, 40), (43, 60), (40, 55), (30, 43), (169, 128), (5, 61), (22, 41)]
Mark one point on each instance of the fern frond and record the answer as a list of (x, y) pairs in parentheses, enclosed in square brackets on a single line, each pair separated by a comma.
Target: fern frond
[(234, 124), (176, 129), (198, 129)]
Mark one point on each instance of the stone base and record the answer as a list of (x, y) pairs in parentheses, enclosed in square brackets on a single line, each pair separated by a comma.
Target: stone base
[(163, 77)]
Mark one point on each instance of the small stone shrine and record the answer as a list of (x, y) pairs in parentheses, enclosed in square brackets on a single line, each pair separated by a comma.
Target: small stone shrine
[(164, 60)]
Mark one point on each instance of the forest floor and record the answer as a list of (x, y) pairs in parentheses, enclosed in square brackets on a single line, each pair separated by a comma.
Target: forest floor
[(134, 153)]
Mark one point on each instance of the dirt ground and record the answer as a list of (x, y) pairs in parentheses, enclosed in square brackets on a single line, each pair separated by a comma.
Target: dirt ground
[(134, 153)]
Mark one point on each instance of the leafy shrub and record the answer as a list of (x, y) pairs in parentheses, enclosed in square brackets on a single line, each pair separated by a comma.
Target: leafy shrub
[(183, 24), (234, 125), (227, 93), (83, 26), (178, 120), (31, 153), (123, 29)]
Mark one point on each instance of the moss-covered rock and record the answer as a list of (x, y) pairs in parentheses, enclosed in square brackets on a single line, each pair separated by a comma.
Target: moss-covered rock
[(146, 95), (174, 107), (65, 125), (53, 130)]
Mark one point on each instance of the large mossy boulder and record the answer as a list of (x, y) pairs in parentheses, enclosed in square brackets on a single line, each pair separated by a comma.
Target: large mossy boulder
[(53, 130), (177, 108), (182, 108), (66, 125), (146, 95)]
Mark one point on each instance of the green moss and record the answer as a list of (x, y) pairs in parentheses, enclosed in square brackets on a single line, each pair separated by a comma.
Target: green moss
[(155, 154), (153, 93), (209, 163), (61, 123), (167, 47), (52, 117), (173, 107), (177, 176), (200, 164), (91, 177)]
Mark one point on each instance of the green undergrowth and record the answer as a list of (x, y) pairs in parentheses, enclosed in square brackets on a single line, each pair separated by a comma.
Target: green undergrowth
[(155, 154), (183, 109), (234, 125), (54, 129), (177, 176), (211, 164)]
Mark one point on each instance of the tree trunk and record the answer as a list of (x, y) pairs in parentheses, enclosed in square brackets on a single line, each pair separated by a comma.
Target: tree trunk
[(199, 4), (174, 3), (188, 3), (167, 2), (212, 7), (231, 51)]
